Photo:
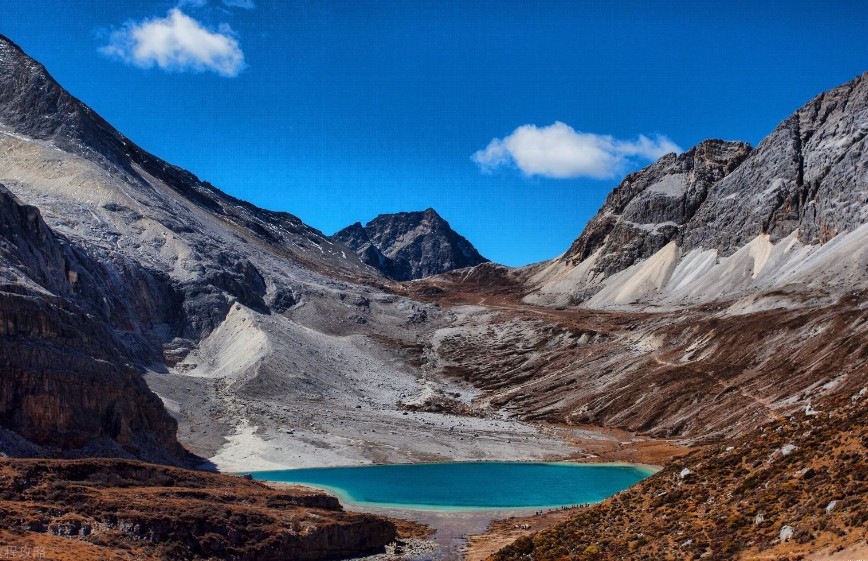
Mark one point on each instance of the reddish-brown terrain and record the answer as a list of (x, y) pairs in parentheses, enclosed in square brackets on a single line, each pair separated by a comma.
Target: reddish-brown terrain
[(700, 373), (121, 509), (793, 489)]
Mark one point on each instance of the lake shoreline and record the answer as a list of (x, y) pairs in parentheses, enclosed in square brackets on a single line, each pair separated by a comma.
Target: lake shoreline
[(347, 496), (454, 527), (456, 534), (653, 468)]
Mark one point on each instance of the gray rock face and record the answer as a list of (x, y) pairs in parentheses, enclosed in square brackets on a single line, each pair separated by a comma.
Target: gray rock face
[(410, 245), (356, 238), (652, 206), (809, 176)]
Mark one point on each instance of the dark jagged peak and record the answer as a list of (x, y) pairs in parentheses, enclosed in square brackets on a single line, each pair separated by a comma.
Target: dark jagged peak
[(354, 236), (410, 245)]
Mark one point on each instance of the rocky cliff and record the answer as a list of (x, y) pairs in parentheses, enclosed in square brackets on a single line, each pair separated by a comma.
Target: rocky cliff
[(410, 245), (809, 177), (650, 207), (68, 380)]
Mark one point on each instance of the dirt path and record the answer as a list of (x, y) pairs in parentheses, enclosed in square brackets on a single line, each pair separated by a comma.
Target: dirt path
[(503, 532), (727, 385)]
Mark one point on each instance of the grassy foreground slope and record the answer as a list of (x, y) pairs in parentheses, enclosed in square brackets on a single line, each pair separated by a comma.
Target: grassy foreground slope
[(792, 488), (106, 509)]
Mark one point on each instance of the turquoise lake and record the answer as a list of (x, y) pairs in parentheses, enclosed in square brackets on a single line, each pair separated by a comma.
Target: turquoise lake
[(468, 485)]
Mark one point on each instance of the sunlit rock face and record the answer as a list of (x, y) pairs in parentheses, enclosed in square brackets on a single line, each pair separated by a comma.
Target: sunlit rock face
[(650, 207), (723, 220)]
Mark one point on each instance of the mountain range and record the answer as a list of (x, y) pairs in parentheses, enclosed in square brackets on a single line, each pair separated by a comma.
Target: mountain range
[(147, 315)]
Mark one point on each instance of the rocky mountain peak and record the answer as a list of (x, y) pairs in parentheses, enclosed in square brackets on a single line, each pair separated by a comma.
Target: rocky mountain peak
[(809, 176), (720, 195), (355, 235), (431, 214), (410, 245), (649, 208), (671, 224), (32, 103)]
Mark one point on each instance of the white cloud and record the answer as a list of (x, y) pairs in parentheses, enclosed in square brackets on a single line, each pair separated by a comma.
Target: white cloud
[(178, 43), (560, 151)]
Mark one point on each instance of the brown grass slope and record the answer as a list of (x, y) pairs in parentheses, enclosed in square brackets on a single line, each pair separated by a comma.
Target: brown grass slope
[(731, 501), (120, 509)]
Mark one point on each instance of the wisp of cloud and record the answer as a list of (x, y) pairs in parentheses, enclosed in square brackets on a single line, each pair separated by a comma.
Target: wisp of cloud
[(246, 4), (559, 151), (177, 43)]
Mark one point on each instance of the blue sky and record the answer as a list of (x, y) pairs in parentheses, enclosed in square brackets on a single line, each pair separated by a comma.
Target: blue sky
[(512, 119)]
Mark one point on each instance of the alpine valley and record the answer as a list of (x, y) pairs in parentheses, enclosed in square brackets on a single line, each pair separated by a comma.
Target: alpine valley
[(712, 318)]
